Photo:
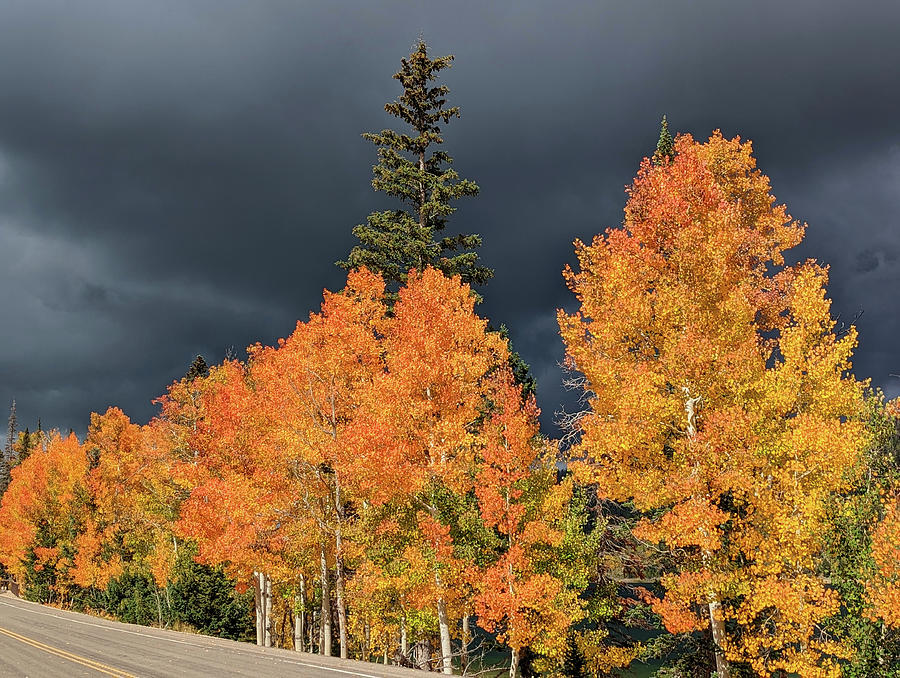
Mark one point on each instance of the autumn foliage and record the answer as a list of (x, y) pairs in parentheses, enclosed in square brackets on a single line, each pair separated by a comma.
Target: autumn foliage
[(720, 399), (379, 479), (383, 459), (38, 508), (884, 589)]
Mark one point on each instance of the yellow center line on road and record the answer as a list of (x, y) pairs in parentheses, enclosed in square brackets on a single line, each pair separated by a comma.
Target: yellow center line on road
[(206, 642), (84, 661)]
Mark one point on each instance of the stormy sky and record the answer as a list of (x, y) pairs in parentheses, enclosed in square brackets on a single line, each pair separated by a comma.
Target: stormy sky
[(178, 177)]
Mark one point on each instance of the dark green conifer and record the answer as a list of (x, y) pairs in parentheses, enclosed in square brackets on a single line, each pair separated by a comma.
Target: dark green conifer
[(411, 170), (11, 430), (26, 444), (665, 147), (6, 459), (520, 369), (573, 659), (198, 369), (4, 473)]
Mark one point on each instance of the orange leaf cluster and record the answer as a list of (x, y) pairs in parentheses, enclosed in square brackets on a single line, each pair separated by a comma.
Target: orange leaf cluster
[(884, 589), (46, 493)]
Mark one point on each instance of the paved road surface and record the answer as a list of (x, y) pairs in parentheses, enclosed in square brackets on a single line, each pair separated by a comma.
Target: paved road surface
[(43, 642)]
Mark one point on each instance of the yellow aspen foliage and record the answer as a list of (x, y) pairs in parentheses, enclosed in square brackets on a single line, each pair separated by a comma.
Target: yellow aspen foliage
[(720, 401)]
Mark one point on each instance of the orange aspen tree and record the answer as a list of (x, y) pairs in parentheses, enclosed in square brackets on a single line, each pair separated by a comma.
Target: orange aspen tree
[(39, 513), (133, 503), (418, 446), (173, 438), (310, 389), (517, 496), (438, 354), (235, 493), (720, 401)]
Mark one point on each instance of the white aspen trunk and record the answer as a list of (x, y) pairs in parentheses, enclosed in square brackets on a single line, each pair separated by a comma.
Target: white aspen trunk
[(300, 617), (341, 608), (299, 624), (168, 605), (444, 627), (717, 624), (258, 604), (514, 657), (404, 644), (159, 615), (339, 570), (716, 618), (267, 581), (464, 651), (367, 641), (443, 617), (321, 631), (325, 642)]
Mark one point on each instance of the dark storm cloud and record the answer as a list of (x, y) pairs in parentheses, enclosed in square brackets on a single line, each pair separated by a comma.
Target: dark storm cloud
[(178, 177)]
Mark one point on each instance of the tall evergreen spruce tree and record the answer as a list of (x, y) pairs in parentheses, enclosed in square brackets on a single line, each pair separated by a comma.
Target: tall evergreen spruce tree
[(11, 431), (411, 169), (665, 147), (6, 462)]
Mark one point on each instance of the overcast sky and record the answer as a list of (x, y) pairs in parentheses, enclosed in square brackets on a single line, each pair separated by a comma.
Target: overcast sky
[(179, 177)]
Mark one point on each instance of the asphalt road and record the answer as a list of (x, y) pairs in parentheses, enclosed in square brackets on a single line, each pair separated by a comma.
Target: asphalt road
[(43, 642)]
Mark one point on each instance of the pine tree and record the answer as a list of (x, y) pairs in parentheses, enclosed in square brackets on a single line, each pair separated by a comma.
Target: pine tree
[(520, 369), (665, 147), (26, 443), (198, 369), (6, 461), (394, 241), (573, 659), (4, 473), (11, 431), (40, 436)]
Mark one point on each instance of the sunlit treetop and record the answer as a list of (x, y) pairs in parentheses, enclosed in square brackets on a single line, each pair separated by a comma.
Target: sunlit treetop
[(719, 394), (410, 169)]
